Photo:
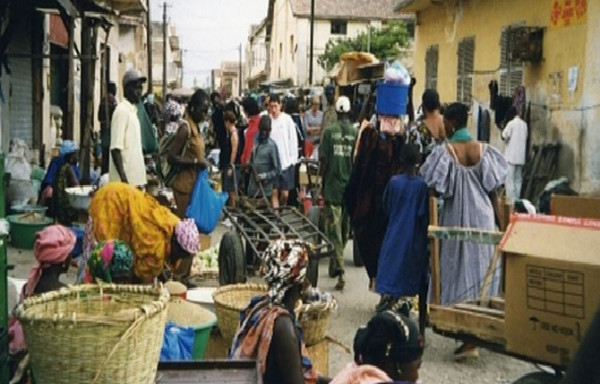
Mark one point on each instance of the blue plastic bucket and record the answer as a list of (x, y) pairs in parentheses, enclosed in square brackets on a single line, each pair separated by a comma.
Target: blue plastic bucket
[(392, 98)]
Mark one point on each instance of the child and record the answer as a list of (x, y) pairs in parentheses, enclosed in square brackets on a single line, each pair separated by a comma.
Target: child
[(403, 259), (264, 159)]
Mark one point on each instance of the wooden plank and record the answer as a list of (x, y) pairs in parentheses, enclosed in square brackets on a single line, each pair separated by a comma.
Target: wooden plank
[(480, 309), (473, 235), (487, 281), (459, 321), (435, 254), (209, 371), (493, 303)]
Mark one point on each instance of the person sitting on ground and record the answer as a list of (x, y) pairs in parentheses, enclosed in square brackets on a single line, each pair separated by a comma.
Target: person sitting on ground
[(52, 249), (158, 239), (111, 262), (46, 188), (268, 330), (264, 159), (388, 350), (66, 177)]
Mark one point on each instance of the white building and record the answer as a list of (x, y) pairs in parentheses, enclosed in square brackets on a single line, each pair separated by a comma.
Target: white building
[(256, 70), (174, 57), (288, 31)]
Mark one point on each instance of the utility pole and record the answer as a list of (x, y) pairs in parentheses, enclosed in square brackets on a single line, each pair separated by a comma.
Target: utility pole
[(312, 41), (149, 45), (240, 72), (164, 74)]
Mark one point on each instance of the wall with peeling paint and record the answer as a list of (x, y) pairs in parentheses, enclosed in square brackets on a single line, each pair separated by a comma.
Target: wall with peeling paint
[(556, 115)]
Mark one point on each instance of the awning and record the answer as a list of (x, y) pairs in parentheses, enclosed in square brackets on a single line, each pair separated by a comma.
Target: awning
[(124, 5)]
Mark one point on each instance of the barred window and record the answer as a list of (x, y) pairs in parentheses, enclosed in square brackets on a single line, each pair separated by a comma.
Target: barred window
[(431, 67), (511, 70), (464, 73)]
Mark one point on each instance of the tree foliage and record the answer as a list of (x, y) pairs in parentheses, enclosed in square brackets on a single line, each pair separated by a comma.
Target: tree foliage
[(386, 43)]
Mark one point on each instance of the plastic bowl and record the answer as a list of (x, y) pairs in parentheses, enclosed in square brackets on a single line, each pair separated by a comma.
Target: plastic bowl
[(80, 197), (22, 232), (29, 209)]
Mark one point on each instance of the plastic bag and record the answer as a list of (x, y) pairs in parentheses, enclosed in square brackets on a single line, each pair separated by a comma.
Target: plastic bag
[(206, 204), (178, 343), (396, 73), (149, 134)]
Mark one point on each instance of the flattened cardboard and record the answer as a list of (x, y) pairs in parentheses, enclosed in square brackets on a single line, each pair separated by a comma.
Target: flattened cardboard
[(552, 285)]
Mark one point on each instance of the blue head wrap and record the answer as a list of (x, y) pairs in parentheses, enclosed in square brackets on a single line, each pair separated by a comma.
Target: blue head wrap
[(68, 146)]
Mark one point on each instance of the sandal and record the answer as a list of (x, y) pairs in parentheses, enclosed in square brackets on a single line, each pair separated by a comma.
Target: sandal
[(465, 352)]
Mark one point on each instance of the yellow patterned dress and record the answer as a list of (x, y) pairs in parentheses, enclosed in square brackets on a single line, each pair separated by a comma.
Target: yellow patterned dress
[(122, 212)]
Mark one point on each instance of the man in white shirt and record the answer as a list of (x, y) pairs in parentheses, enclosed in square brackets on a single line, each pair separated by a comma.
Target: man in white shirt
[(515, 135), (127, 159), (283, 133)]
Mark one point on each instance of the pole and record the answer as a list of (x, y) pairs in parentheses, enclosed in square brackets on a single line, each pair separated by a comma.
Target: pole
[(369, 38), (164, 74), (68, 131), (240, 72), (312, 41), (149, 45)]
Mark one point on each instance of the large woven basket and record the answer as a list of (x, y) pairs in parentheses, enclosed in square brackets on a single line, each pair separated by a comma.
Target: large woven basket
[(314, 320), (91, 334), (229, 302), (231, 299)]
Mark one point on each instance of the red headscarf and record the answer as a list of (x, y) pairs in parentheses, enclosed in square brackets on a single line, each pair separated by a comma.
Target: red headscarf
[(52, 246)]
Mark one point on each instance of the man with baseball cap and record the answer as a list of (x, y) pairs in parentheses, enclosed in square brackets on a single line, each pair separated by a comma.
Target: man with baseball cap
[(127, 160), (335, 154)]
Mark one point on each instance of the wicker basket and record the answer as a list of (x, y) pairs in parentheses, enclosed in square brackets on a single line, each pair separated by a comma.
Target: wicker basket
[(95, 333), (229, 302), (231, 299), (314, 320)]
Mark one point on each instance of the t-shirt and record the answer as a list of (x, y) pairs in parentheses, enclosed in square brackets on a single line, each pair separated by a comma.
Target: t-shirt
[(335, 152), (126, 135), (516, 134), (283, 133), (312, 120)]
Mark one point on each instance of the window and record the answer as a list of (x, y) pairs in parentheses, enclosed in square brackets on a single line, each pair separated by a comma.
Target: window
[(511, 70), (464, 74), (339, 27), (431, 67), (280, 51), (292, 47)]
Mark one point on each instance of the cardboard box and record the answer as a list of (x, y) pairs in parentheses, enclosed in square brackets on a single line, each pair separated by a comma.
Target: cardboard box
[(575, 206), (552, 285)]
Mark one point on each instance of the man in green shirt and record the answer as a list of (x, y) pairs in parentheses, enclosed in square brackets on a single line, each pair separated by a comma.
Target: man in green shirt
[(335, 154)]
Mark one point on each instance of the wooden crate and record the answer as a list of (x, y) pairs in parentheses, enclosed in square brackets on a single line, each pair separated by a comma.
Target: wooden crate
[(471, 319), (209, 372)]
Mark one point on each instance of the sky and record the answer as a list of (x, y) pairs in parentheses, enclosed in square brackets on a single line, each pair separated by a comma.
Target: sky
[(210, 31)]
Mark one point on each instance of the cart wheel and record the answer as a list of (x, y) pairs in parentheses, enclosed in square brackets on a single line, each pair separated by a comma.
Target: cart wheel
[(232, 263), (358, 261), (538, 378), (312, 272)]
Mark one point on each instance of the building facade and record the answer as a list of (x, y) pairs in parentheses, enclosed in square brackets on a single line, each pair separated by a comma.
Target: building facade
[(288, 32), (462, 45)]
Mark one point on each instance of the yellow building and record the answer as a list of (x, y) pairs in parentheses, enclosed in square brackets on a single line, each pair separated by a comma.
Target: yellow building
[(462, 45)]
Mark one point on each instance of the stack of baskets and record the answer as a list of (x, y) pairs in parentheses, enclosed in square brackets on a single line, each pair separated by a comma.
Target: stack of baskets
[(231, 299), (95, 334)]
